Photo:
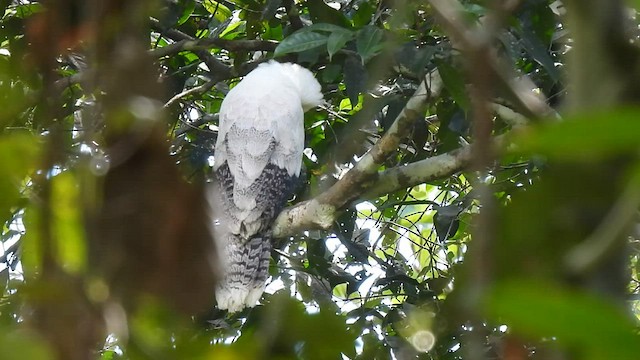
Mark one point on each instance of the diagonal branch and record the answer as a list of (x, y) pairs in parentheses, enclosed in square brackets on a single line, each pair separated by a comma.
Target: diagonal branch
[(204, 44), (201, 89), (320, 211), (419, 172), (341, 192), (313, 214), (364, 180), (518, 88), (218, 69)]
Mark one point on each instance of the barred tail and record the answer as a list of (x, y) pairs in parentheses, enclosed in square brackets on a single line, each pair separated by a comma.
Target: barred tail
[(246, 268)]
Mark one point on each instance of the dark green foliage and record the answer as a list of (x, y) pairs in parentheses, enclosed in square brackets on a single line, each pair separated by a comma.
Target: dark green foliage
[(392, 270)]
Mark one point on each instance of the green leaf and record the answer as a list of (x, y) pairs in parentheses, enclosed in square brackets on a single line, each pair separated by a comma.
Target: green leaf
[(31, 241), (220, 12), (108, 355), (28, 345), (300, 41), (539, 53), (369, 42), (355, 79), (18, 156), (587, 136), (364, 14), (189, 6), (337, 40), (68, 230), (326, 27), (232, 31), (601, 329), (320, 12), (454, 83), (24, 11)]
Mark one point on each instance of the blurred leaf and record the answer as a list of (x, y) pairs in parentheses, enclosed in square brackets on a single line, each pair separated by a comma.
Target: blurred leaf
[(589, 136), (4, 4), (300, 41), (293, 333), (369, 42), (174, 13), (322, 13), (68, 229), (19, 153), (233, 30), (23, 345), (4, 280), (108, 355), (598, 327), (340, 291), (270, 9), (25, 10), (31, 246), (219, 10)]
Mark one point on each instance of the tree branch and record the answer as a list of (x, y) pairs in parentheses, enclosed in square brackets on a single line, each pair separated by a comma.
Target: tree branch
[(419, 172), (364, 179), (203, 44), (341, 192), (320, 211), (201, 89), (218, 69), (518, 88)]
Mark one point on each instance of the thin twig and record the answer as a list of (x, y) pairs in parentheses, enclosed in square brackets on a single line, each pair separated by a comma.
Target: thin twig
[(204, 44), (201, 89)]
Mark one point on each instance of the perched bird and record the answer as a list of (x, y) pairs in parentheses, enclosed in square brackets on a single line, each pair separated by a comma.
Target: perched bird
[(258, 158)]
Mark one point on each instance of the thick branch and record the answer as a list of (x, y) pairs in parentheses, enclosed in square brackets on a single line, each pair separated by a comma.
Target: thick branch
[(364, 178), (320, 212), (419, 172), (365, 170), (313, 215)]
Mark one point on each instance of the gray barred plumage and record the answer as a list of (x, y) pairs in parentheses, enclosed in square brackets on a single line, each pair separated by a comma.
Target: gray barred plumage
[(258, 158)]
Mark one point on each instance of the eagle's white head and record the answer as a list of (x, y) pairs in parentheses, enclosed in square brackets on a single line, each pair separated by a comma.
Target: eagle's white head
[(302, 80)]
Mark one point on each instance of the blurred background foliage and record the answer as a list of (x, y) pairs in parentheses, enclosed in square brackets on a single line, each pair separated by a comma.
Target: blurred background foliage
[(107, 125)]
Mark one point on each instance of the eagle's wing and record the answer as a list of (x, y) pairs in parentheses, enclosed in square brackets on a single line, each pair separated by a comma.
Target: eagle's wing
[(258, 157), (260, 143)]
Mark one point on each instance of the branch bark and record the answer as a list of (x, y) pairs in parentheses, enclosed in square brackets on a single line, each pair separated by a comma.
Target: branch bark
[(426, 170), (365, 181), (203, 44), (517, 88), (218, 69), (320, 211)]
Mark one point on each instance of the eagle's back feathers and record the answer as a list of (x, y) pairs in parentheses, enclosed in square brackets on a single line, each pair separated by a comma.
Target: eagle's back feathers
[(258, 158)]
